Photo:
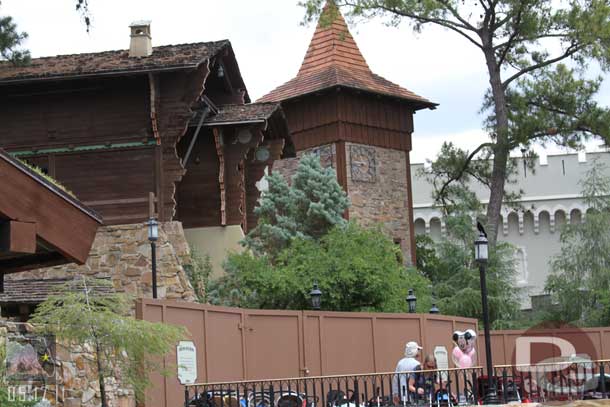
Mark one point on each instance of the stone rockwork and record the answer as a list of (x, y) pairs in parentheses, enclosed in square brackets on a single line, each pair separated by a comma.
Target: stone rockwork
[(376, 183), (288, 166), (122, 254), (378, 191)]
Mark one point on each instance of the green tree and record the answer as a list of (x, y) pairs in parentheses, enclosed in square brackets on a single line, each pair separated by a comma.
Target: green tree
[(532, 97), (10, 41), (450, 266), (357, 269), (307, 209), (198, 272), (580, 279), (81, 315)]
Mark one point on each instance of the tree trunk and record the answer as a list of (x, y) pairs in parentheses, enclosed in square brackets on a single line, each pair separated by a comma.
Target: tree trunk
[(100, 373), (501, 149)]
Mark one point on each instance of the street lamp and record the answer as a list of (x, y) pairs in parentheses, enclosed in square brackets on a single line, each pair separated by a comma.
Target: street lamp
[(153, 236), (316, 296), (411, 301), (434, 309), (481, 255)]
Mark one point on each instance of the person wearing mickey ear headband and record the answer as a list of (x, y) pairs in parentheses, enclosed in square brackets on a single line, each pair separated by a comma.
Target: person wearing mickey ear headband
[(464, 353)]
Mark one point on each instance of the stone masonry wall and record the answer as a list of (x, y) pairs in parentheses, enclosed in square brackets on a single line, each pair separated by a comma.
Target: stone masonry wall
[(122, 254), (376, 183), (378, 191), (288, 166)]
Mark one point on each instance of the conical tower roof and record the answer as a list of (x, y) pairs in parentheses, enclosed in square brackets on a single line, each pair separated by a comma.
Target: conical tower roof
[(333, 59), (332, 45)]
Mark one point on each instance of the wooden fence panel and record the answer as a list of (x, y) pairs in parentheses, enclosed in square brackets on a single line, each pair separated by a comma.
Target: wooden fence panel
[(238, 344)]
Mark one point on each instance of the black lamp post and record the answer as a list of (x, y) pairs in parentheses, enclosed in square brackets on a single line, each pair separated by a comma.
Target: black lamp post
[(411, 301), (481, 255), (434, 309), (153, 235), (316, 296)]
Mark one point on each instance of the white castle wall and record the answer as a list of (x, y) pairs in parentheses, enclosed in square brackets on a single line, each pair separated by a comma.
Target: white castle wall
[(551, 197)]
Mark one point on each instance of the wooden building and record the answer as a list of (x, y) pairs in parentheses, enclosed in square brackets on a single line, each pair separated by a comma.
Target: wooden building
[(173, 120), (358, 122), (41, 224)]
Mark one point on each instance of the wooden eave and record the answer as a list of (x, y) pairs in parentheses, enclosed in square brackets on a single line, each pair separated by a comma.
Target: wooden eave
[(274, 125), (414, 104), (40, 224)]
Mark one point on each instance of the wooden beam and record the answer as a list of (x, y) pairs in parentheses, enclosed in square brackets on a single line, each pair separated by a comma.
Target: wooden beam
[(410, 209), (341, 159), (243, 204), (235, 153), (18, 237), (276, 147), (221, 175), (59, 219), (151, 205)]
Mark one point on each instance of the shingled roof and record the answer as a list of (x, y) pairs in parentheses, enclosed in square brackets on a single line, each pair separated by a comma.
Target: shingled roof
[(333, 59), (163, 58), (35, 291), (271, 114), (242, 113)]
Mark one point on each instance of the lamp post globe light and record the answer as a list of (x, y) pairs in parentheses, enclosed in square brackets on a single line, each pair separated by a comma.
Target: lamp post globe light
[(411, 301), (153, 236), (481, 255), (316, 296)]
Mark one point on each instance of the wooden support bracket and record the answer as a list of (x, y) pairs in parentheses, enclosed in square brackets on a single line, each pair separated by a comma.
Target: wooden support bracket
[(221, 175), (17, 237)]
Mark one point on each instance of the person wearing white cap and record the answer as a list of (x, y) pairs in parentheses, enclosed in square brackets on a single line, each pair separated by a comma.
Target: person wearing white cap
[(402, 385)]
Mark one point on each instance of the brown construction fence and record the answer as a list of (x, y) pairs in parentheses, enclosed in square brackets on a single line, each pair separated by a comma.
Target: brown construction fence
[(245, 344), (538, 345), (239, 344)]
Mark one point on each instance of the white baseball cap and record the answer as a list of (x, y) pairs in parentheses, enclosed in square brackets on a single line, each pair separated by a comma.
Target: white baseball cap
[(411, 349)]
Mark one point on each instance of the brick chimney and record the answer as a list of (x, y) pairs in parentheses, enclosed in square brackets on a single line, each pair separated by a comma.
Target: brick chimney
[(141, 41)]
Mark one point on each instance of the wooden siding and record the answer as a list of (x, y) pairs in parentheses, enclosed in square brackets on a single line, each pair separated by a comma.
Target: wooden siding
[(198, 193), (74, 113), (114, 183), (349, 116)]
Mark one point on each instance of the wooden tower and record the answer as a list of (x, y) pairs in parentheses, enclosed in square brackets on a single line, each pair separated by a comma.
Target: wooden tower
[(356, 121)]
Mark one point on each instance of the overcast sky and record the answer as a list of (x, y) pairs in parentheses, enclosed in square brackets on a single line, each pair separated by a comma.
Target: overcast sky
[(270, 43)]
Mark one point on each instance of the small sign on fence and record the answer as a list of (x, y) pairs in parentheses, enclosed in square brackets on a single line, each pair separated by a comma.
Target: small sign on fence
[(187, 362)]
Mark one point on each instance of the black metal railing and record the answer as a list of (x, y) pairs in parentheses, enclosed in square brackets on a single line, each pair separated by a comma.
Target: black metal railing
[(563, 380), (559, 381)]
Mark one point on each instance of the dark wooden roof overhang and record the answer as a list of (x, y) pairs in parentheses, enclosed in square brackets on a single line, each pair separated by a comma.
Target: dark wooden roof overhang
[(413, 103), (41, 225), (269, 118), (167, 58)]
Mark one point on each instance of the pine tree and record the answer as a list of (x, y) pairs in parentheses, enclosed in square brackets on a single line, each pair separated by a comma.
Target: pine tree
[(308, 208), (580, 280), (10, 40)]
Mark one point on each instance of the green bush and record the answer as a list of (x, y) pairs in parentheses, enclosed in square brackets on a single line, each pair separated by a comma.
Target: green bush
[(357, 269), (198, 273)]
